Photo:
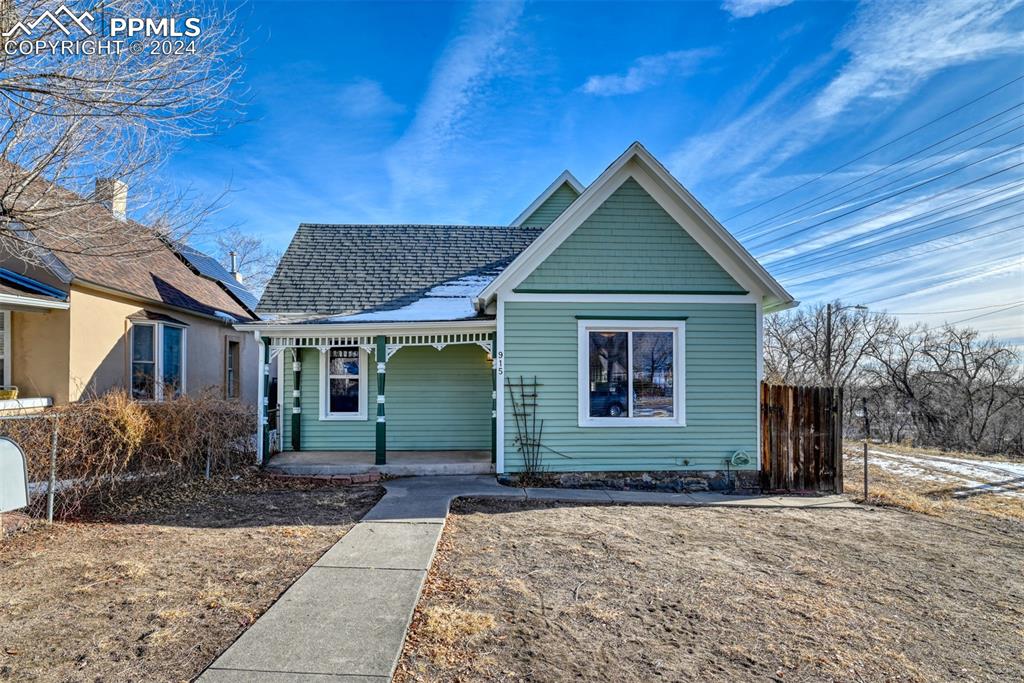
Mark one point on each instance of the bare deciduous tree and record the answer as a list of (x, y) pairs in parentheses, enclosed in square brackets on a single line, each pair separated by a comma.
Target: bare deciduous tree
[(67, 118), (253, 258), (947, 388)]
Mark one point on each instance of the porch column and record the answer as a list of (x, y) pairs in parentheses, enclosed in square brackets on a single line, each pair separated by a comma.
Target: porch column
[(382, 434), (494, 399), (296, 399), (265, 401)]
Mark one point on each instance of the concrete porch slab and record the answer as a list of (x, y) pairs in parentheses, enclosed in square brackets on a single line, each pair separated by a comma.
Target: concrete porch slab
[(399, 463)]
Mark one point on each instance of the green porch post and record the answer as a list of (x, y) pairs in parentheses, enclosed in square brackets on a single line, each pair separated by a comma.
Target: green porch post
[(296, 400), (494, 399), (266, 398), (382, 430)]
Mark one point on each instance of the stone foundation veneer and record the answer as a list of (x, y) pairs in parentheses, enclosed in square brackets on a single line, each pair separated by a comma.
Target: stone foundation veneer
[(738, 481)]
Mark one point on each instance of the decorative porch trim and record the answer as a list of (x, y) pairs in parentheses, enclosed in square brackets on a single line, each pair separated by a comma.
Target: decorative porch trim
[(368, 343)]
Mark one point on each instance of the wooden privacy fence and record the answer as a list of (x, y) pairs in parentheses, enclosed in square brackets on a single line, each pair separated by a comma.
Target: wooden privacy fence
[(801, 438)]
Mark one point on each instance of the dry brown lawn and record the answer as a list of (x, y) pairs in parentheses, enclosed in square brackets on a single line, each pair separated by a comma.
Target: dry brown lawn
[(544, 592), (155, 594)]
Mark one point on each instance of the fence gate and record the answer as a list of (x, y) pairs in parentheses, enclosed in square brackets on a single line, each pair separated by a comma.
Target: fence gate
[(801, 438)]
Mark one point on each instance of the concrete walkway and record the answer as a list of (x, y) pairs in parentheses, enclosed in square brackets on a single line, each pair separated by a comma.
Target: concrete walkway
[(345, 619)]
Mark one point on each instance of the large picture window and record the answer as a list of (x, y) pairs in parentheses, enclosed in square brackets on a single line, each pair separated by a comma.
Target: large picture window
[(631, 373), (343, 384), (158, 361)]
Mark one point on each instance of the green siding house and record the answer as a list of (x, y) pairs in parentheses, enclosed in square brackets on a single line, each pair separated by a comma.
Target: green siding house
[(610, 328)]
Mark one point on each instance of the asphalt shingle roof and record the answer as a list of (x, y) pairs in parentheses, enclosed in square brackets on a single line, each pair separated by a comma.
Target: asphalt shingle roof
[(345, 269), (121, 255)]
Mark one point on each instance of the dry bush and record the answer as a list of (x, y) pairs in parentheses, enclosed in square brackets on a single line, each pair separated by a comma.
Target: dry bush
[(111, 448)]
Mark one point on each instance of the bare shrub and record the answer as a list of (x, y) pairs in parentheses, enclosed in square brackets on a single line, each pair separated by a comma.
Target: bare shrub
[(111, 448)]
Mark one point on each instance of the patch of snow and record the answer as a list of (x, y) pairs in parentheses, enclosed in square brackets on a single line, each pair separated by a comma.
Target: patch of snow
[(452, 300), (1000, 477), (225, 316)]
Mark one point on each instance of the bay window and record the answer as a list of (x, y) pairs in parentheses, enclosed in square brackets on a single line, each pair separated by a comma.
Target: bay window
[(157, 361), (631, 373)]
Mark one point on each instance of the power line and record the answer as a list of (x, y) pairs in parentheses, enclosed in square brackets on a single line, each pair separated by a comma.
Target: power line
[(975, 317), (984, 208), (956, 276), (911, 188), (833, 191), (958, 310), (801, 283), (880, 147), (927, 227)]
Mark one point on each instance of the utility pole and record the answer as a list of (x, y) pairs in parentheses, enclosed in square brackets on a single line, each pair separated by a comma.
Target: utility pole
[(828, 345), (828, 337)]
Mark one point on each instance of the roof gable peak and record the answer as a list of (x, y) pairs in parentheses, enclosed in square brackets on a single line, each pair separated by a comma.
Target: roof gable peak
[(638, 163), (565, 178)]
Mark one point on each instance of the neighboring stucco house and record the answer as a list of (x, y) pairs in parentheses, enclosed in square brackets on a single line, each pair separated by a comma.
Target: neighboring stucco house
[(77, 321), (615, 327)]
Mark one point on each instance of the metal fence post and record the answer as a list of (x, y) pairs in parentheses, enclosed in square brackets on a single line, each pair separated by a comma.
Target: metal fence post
[(865, 471), (51, 488)]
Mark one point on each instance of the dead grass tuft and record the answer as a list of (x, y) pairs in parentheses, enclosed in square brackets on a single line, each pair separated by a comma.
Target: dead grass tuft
[(445, 631)]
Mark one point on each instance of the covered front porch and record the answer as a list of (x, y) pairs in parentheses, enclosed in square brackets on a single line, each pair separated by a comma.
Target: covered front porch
[(399, 399)]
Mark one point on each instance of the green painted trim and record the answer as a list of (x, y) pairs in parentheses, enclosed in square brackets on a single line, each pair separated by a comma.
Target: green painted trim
[(688, 292), (494, 400), (266, 398), (632, 317), (381, 442), (296, 404)]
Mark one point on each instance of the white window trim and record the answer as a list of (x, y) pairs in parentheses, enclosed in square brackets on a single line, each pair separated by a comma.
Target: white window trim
[(678, 372), (158, 362), (7, 347), (325, 414)]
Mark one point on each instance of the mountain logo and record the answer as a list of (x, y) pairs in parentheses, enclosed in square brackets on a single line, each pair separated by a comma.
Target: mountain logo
[(54, 18)]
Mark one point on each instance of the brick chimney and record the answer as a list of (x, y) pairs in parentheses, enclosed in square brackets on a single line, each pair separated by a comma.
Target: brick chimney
[(113, 194)]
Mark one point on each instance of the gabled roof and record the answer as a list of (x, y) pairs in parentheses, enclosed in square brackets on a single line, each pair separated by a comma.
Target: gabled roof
[(566, 180), (638, 163), (87, 244), (209, 267), (342, 270)]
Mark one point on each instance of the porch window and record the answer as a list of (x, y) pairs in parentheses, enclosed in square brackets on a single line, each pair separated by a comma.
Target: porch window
[(631, 373), (158, 361), (343, 384)]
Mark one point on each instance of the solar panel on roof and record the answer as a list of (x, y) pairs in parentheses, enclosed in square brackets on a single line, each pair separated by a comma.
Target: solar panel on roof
[(211, 268)]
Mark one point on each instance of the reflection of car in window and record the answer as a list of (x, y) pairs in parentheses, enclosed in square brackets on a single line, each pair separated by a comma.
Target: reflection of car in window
[(608, 400)]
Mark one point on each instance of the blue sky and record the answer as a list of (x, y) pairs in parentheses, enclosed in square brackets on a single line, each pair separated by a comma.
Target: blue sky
[(462, 113)]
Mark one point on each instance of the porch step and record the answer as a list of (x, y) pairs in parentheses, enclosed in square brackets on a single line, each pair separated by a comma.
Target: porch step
[(400, 463)]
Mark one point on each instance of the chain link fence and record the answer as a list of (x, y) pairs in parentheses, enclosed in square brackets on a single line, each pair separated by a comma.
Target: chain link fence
[(91, 455)]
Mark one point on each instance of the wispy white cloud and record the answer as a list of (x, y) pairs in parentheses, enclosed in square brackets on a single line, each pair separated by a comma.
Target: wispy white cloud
[(364, 99), (890, 49), (894, 47), (647, 72), (742, 9), (471, 60)]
